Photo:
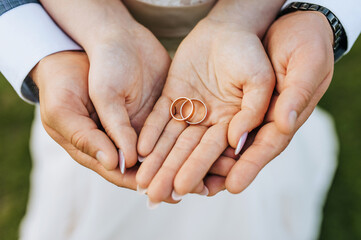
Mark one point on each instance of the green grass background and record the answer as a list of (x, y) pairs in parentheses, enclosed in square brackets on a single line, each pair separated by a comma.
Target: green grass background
[(342, 212)]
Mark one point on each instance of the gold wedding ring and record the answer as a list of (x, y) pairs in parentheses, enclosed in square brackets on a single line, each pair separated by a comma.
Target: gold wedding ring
[(173, 108), (189, 117), (204, 114)]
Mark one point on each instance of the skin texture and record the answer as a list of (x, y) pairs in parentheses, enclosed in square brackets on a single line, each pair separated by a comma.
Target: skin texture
[(212, 64), (128, 67), (223, 63), (236, 84), (300, 48), (123, 79), (67, 111)]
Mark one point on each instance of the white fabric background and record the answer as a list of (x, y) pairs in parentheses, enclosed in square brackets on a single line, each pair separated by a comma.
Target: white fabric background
[(68, 201)]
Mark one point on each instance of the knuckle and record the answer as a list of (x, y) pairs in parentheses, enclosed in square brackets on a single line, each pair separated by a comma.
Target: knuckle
[(157, 155), (152, 127), (170, 169), (264, 77), (305, 94), (257, 167), (80, 141), (184, 144), (141, 180), (212, 143)]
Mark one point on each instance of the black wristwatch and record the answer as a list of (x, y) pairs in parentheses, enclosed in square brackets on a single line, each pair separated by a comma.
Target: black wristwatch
[(340, 37)]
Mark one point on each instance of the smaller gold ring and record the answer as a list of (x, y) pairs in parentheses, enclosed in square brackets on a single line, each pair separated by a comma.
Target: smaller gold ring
[(205, 113), (173, 108)]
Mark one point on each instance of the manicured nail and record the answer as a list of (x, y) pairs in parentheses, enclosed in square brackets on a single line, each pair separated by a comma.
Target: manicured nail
[(241, 143), (152, 205), (101, 157), (204, 192), (121, 162), (176, 196), (141, 191), (292, 118), (141, 159)]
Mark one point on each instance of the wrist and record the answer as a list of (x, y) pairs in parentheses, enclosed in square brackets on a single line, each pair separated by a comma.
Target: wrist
[(117, 41), (339, 37), (109, 33), (56, 63), (91, 22), (253, 16), (314, 20)]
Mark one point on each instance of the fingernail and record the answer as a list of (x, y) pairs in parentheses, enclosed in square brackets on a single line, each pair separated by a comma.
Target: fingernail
[(292, 118), (141, 191), (121, 162), (204, 192), (152, 205), (176, 196), (101, 157), (141, 159), (241, 143)]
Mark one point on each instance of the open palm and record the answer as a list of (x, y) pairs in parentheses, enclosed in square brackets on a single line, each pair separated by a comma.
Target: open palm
[(229, 71)]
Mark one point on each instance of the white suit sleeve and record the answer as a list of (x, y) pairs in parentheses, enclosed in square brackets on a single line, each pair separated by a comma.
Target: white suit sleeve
[(28, 35), (347, 11)]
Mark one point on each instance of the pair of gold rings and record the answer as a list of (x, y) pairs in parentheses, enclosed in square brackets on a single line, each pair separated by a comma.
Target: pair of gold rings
[(190, 116)]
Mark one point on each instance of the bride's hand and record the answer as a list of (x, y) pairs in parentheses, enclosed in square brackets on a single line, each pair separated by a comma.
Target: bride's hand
[(126, 77), (128, 68), (229, 71)]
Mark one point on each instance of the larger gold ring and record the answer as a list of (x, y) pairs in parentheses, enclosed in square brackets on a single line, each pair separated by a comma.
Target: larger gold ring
[(205, 111), (173, 111)]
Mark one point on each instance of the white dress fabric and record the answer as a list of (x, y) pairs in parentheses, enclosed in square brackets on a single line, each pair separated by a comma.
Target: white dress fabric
[(70, 202)]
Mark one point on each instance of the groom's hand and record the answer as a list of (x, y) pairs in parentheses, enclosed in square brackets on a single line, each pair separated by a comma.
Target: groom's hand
[(300, 48), (69, 116)]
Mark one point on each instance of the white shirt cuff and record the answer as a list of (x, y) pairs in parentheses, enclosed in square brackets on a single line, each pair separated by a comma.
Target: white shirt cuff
[(347, 11), (29, 35)]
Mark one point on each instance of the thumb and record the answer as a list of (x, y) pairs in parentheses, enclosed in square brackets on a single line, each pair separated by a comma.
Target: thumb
[(114, 117), (297, 90), (82, 133)]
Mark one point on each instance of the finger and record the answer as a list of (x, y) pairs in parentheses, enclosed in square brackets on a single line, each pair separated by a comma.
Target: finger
[(126, 180), (268, 144), (254, 106), (115, 120), (82, 132), (229, 152), (222, 166), (296, 92), (214, 184), (211, 146), (153, 162), (161, 185), (153, 126), (200, 189)]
